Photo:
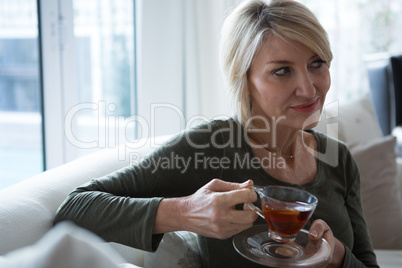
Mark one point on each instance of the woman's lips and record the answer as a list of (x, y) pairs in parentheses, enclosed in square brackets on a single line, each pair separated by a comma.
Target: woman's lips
[(307, 107)]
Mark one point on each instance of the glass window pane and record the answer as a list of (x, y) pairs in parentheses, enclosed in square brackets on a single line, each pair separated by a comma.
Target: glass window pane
[(21, 153), (104, 34)]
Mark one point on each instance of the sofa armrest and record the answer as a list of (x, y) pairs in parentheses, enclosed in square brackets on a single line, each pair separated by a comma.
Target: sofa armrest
[(27, 209), (389, 258)]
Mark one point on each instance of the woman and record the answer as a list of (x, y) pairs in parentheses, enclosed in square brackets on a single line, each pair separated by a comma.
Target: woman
[(276, 59)]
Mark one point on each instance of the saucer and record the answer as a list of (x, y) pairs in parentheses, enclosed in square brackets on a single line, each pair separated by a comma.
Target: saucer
[(255, 245)]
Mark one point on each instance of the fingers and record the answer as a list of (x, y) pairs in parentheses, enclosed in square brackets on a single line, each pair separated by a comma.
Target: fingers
[(241, 196), (212, 209), (233, 223), (217, 185), (320, 229), (247, 184), (243, 216), (230, 193), (246, 207)]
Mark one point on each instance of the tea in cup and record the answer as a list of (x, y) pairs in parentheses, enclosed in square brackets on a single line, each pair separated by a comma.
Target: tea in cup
[(285, 209)]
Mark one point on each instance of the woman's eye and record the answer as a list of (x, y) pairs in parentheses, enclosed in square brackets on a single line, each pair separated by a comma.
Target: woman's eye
[(317, 63), (281, 71)]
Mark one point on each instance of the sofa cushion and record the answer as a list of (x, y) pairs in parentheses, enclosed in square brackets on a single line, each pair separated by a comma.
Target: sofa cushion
[(350, 121), (380, 196)]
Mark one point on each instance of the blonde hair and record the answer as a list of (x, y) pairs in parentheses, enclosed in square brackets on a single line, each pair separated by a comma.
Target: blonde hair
[(249, 25)]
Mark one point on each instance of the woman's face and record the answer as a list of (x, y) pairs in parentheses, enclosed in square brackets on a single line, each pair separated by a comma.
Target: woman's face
[(288, 83)]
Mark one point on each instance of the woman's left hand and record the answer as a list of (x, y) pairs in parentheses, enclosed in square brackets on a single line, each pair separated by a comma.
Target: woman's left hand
[(320, 229)]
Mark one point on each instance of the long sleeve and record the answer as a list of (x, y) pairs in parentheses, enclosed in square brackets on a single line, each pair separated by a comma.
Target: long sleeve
[(104, 207), (121, 207)]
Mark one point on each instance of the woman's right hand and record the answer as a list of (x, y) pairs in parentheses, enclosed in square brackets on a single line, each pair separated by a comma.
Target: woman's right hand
[(211, 211)]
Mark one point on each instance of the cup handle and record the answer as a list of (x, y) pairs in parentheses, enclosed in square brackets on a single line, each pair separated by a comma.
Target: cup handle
[(252, 206), (256, 210)]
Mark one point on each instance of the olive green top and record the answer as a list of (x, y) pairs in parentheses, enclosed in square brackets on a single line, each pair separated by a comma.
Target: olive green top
[(121, 207)]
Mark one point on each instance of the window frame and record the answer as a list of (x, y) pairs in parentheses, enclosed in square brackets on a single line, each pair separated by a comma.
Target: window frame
[(56, 50)]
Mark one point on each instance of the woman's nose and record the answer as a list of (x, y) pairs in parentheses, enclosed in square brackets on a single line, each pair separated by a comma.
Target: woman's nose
[(305, 86)]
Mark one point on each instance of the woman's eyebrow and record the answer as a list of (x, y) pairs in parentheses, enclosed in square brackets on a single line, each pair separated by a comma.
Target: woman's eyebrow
[(287, 61), (279, 62)]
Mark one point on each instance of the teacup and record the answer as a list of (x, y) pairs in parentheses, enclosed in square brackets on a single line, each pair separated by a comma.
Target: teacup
[(285, 209)]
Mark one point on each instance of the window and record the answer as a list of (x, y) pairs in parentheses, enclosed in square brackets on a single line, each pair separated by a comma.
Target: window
[(21, 150), (90, 78), (104, 59)]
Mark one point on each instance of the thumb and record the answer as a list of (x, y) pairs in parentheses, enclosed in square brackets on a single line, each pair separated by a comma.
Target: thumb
[(217, 185)]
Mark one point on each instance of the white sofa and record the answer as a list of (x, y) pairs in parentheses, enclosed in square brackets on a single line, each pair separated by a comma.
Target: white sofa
[(27, 209)]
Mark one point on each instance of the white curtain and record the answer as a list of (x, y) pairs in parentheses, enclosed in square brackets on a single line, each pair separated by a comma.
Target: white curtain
[(206, 93)]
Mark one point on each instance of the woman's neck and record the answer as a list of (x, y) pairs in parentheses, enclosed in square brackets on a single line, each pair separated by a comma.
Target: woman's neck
[(281, 140)]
